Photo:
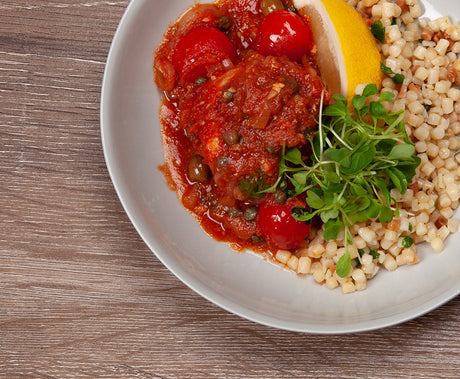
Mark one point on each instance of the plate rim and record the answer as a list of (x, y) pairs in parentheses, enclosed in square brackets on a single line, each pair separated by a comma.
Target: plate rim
[(211, 296)]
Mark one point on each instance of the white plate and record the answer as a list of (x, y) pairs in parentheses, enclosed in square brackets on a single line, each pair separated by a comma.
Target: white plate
[(241, 283)]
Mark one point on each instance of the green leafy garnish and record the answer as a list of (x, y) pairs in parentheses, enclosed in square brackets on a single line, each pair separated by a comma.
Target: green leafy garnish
[(407, 241), (356, 263), (374, 254), (343, 266), (252, 187), (397, 78), (385, 69), (378, 30), (357, 158)]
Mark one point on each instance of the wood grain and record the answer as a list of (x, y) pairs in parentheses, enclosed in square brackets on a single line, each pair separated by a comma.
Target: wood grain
[(81, 295)]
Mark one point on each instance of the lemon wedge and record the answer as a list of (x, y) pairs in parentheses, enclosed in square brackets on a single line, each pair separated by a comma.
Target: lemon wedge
[(347, 53)]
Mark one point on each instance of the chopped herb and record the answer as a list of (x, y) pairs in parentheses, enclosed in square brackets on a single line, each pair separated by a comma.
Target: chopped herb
[(397, 78), (378, 30), (374, 254), (427, 107), (356, 263), (247, 188), (385, 69), (253, 187), (406, 241), (357, 158), (410, 227), (420, 40)]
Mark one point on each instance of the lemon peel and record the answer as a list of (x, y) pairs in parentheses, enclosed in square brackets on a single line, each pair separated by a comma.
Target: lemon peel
[(347, 53)]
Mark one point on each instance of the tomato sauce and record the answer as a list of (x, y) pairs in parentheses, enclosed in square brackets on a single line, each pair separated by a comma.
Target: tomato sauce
[(227, 114)]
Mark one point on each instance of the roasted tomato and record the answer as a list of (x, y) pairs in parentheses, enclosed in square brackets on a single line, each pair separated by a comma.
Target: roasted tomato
[(198, 50), (279, 228), (284, 33)]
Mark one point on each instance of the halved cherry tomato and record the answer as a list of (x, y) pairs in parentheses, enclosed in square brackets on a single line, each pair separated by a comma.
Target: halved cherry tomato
[(284, 33), (200, 48), (279, 228)]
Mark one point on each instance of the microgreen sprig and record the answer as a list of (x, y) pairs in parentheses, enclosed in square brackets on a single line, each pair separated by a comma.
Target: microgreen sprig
[(357, 158)]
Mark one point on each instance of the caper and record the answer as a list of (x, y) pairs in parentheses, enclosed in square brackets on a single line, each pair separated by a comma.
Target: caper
[(257, 239), (232, 137), (250, 213), (291, 82), (280, 197), (291, 7), (224, 23), (234, 212), (200, 80), (270, 149), (221, 162), (228, 96), (269, 6), (197, 170)]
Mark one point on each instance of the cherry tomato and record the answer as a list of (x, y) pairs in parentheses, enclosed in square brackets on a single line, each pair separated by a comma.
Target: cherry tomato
[(284, 33), (200, 48), (279, 228)]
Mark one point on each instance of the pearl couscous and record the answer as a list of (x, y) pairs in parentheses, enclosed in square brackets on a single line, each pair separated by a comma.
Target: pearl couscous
[(427, 54)]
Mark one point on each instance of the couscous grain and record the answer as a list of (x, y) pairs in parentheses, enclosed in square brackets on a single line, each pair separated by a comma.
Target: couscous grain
[(427, 54)]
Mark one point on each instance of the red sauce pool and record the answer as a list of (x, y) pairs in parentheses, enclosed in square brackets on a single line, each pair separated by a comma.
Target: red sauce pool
[(224, 133)]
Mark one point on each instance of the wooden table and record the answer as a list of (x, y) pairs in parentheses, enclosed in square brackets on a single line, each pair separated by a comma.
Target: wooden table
[(80, 293)]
